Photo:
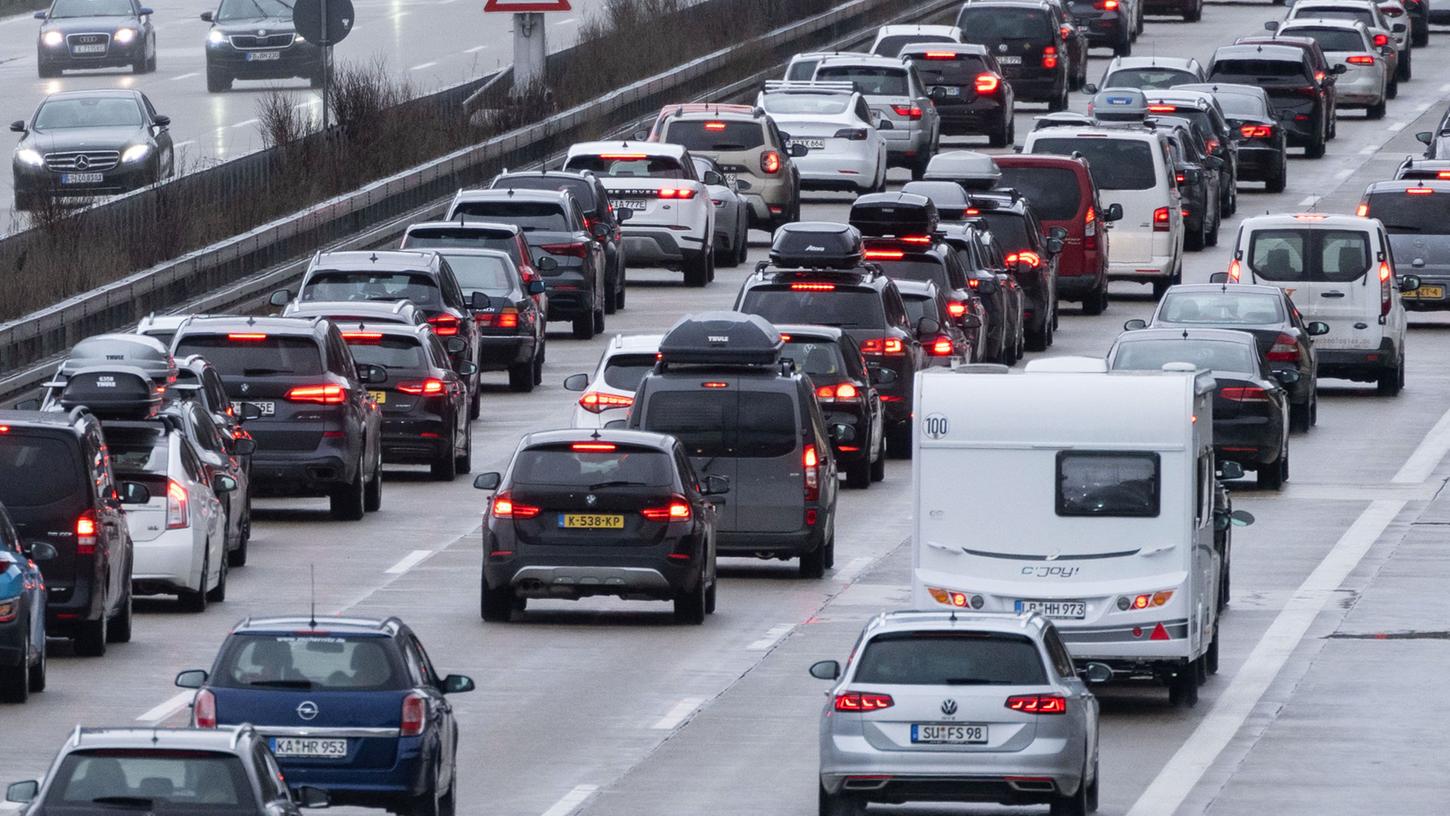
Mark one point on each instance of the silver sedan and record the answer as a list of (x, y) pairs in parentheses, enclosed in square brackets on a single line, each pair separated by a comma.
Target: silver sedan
[(732, 213)]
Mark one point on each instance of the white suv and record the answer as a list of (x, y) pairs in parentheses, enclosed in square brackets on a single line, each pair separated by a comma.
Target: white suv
[(609, 391), (1340, 270)]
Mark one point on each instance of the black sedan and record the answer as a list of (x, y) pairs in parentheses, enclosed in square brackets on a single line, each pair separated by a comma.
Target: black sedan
[(847, 396), (80, 34), (510, 324), (1262, 148), (90, 143), (255, 39), (1250, 405), (579, 514)]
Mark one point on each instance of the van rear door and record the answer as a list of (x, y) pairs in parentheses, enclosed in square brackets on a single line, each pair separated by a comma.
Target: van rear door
[(769, 471), (1329, 274), (1127, 172), (43, 487), (700, 412)]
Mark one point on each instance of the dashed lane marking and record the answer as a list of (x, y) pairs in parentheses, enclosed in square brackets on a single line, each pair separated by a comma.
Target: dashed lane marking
[(571, 800), (678, 714), (409, 561), (772, 637), (166, 710)]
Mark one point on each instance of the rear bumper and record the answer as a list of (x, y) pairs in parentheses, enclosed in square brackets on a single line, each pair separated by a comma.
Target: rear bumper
[(166, 564), (1131, 642), (906, 142), (772, 545), (1259, 163), (1250, 441), (836, 171), (660, 245), (414, 439), (1354, 91), (302, 473), (1156, 268), (1038, 88), (1358, 364), (407, 777), (978, 116), (1078, 287), (646, 574), (1105, 29), (498, 353), (851, 764)]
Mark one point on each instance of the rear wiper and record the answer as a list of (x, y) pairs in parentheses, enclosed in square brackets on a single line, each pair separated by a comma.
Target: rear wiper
[(291, 684), (617, 483), (263, 372), (124, 801)]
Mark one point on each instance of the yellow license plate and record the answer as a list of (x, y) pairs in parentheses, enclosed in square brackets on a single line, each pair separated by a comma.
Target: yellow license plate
[(592, 521), (380, 397), (1436, 292)]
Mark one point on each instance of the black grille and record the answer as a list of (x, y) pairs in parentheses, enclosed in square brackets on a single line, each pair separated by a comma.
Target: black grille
[(268, 41)]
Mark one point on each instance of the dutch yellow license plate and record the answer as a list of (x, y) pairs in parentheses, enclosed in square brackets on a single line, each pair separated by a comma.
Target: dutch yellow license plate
[(592, 521), (380, 397), (1427, 292)]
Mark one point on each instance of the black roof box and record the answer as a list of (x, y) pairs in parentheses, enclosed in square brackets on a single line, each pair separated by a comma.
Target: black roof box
[(721, 338), (894, 215), (817, 245), (115, 392)]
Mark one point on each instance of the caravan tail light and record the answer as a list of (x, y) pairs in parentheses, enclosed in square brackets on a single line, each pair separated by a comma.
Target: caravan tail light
[(1145, 600), (1284, 350), (1235, 271), (863, 701), (811, 465), (178, 515), (1161, 219), (1386, 279), (203, 709), (1038, 703), (960, 600), (86, 533)]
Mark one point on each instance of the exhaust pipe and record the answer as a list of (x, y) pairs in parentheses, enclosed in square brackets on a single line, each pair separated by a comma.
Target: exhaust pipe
[(1031, 784), (866, 783)]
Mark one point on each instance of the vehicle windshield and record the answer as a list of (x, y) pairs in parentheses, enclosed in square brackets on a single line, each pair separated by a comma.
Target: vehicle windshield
[(847, 308), (366, 285), (1210, 355), (1147, 78), (560, 466), (714, 135), (388, 351), (930, 658), (994, 23), (436, 237), (1330, 39), (890, 46), (248, 354), (529, 216), (815, 357), (625, 165), (36, 469), (1406, 214), (489, 274), (1101, 483), (800, 103), (309, 662), (1328, 255), (91, 8), (253, 10), (1053, 192), (88, 112), (1116, 164), (868, 81), (1221, 308), (150, 780), (624, 371), (138, 450)]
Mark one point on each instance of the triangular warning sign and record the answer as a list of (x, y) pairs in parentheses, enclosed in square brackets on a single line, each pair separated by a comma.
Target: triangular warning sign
[(527, 5)]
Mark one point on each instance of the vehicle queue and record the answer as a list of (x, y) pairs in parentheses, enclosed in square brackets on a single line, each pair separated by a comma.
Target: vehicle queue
[(890, 335)]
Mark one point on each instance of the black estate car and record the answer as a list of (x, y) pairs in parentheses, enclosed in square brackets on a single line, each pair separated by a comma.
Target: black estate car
[(79, 34)]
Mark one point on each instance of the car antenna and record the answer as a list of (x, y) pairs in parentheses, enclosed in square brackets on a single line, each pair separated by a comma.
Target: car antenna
[(373, 257), (954, 615), (155, 737), (312, 577), (594, 435)]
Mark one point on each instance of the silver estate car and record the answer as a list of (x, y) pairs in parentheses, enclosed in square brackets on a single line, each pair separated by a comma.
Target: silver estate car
[(958, 707)]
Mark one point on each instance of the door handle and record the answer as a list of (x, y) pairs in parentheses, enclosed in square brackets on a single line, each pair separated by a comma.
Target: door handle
[(1331, 294)]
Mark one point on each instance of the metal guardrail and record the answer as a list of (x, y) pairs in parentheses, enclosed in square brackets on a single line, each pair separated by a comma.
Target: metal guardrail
[(225, 276)]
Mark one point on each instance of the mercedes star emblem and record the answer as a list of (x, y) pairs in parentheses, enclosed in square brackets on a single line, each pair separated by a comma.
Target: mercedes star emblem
[(82, 162), (949, 707), (307, 710)]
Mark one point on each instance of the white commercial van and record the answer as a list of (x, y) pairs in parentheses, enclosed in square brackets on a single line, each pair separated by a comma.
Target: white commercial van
[(1097, 511)]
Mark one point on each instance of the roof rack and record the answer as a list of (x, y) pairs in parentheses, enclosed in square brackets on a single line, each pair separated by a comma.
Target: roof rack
[(809, 86)]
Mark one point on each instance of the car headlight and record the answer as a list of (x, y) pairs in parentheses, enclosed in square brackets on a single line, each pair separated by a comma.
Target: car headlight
[(215, 37), (135, 153), (31, 157), (52, 38), (296, 38), (124, 35)]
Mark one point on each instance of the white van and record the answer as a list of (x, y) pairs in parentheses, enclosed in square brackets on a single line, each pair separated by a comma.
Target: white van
[(1339, 270), (1132, 167), (1099, 514)]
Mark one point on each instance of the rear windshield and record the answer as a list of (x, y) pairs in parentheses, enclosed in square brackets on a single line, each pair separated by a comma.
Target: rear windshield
[(1334, 256), (1330, 39), (1010, 229), (387, 351), (150, 780), (847, 308), (802, 70), (247, 356), (309, 662), (891, 46), (918, 307), (991, 24), (869, 81), (1222, 308), (1053, 192), (1242, 105), (528, 215), (951, 659), (582, 190), (1406, 214), (721, 422), (1210, 355), (962, 70), (624, 371), (815, 357), (1148, 78), (796, 103), (433, 237), (932, 271), (36, 469), (481, 273), (1092, 483), (363, 285), (138, 450), (1355, 15), (560, 466), (1116, 164), (720, 135), (1254, 71), (624, 165)]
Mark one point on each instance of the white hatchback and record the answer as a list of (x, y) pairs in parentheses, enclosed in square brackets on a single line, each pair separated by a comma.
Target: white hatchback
[(834, 123), (609, 391)]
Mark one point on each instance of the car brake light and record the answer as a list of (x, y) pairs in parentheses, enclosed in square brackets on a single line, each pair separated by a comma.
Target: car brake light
[(430, 387), (676, 193), (1065, 31), (941, 55), (1381, 40), (1212, 145), (1257, 131), (597, 402), (1049, 57), (1105, 5), (1385, 298), (770, 162), (1162, 108), (1180, 178), (911, 112), (810, 462), (831, 393), (1247, 393), (1026, 257), (1360, 59), (415, 715), (1090, 229), (504, 507), (1418, 191), (321, 394), (1234, 270), (882, 345), (884, 255), (572, 249), (593, 447), (852, 134), (178, 514), (920, 240), (86, 534), (813, 287), (203, 709), (715, 126), (246, 337), (1443, 174), (1161, 219), (956, 308), (508, 318), (942, 346), (1362, 210), (444, 325), (677, 510), (1038, 703), (362, 338), (1284, 350), (988, 83), (863, 701)]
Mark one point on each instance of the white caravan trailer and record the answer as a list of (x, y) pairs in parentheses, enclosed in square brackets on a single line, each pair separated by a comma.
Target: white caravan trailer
[(1083, 494)]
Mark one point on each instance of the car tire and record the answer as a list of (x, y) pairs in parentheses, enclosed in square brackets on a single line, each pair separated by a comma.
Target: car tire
[(1376, 111), (1210, 658), (1096, 302), (1092, 793), (217, 80), (1277, 182), (839, 804), (1405, 70), (521, 377), (15, 683), (1160, 286), (711, 595), (878, 467), (1076, 803), (1195, 13), (690, 605), (1037, 340), (47, 71), (151, 61), (1271, 476), (463, 463), (1391, 380), (1124, 48), (90, 638), (238, 557), (813, 563), (1394, 89), (1183, 689), (218, 593), (1210, 237), (1420, 35), (139, 66), (584, 326), (195, 600), (697, 268), (37, 671), (475, 403), (1000, 135), (858, 473), (118, 630), (346, 500), (898, 440), (444, 467), (1059, 102), (373, 490), (610, 304), (429, 803), (494, 605), (538, 366)]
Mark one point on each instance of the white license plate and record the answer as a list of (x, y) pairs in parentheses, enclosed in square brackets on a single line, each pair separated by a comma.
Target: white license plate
[(1067, 610), (811, 144), (1009, 60), (948, 734), (263, 56), (949, 90), (82, 178), (267, 408), (636, 204), (309, 747), (88, 49)]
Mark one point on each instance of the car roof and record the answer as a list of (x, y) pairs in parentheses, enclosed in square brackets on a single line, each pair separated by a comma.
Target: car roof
[(975, 49), (47, 419), (916, 288), (1356, 4), (1312, 220), (1225, 288), (868, 61), (1026, 4), (1132, 130), (651, 149), (753, 115), (295, 326), (649, 439), (1395, 185), (1318, 22), (1031, 624), (299, 308), (476, 252), (388, 260), (833, 333), (1224, 335), (96, 93), (503, 192), (466, 223), (1270, 52), (1177, 63), (1232, 88), (417, 330), (892, 30), (220, 738), (329, 624)]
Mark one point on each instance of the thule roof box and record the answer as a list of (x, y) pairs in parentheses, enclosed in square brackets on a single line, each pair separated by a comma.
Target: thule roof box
[(722, 339), (894, 215), (112, 392), (817, 245), (144, 353), (972, 170)]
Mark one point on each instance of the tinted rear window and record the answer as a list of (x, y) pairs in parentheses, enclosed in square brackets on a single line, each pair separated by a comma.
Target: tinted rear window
[(1405, 214), (1210, 355), (891, 46), (37, 469), (1242, 105), (582, 190), (1253, 71), (624, 371), (309, 662), (1116, 164), (363, 285), (387, 351), (1331, 39), (988, 24), (723, 135), (960, 71), (1054, 192), (482, 273), (869, 81), (138, 450), (627, 166), (169, 781), (528, 215), (815, 358), (721, 422), (254, 357), (475, 239), (1222, 308), (951, 659), (1147, 78), (932, 271), (560, 466), (918, 307), (1009, 228), (847, 308), (1335, 256)]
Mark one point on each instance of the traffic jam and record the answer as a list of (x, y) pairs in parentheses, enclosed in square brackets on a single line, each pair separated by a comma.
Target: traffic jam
[(898, 250)]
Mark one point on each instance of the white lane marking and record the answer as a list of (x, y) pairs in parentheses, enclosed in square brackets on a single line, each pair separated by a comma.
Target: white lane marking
[(772, 637), (187, 143), (677, 715), (247, 123), (571, 800), (186, 76), (1344, 174), (1307, 201), (848, 573), (1369, 150), (164, 711), (1396, 127), (421, 66), (409, 561), (1427, 455), (475, 49)]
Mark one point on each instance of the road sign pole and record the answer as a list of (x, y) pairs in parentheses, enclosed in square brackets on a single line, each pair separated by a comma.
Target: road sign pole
[(530, 51), (326, 68)]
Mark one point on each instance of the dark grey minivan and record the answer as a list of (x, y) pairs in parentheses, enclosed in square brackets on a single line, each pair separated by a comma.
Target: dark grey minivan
[(721, 389)]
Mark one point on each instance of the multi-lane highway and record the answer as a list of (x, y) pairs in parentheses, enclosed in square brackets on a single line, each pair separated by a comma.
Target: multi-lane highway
[(1324, 703)]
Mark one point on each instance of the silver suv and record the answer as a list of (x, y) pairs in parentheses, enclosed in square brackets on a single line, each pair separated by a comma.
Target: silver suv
[(958, 707)]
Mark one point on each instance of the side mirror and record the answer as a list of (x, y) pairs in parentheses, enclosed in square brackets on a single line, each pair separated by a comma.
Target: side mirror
[(455, 345), (826, 670), (466, 368), (1097, 673), (487, 481), (1287, 376), (883, 376), (715, 485), (370, 374), (1135, 324), (576, 382), (1424, 136), (927, 325), (279, 298), (1090, 88), (1241, 518), (41, 551), (614, 424), (1317, 328), (784, 138), (1339, 69), (842, 434), (206, 16), (536, 287), (713, 178), (1060, 233), (1114, 212), (1409, 283), (23, 792), (546, 264), (1230, 470), (40, 15), (622, 214), (885, 124), (799, 150), (1055, 245), (458, 684), (1192, 175), (600, 231), (312, 798), (250, 411), (19, 126), (1218, 277), (134, 493), (1213, 162), (146, 12), (1272, 25), (479, 301), (191, 678), (162, 121), (222, 483), (244, 446)]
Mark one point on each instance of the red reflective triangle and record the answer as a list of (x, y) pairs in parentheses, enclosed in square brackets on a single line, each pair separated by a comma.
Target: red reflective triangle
[(527, 5), (1159, 633)]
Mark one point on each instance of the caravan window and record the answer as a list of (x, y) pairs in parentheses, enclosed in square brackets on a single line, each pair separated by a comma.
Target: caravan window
[(1107, 483)]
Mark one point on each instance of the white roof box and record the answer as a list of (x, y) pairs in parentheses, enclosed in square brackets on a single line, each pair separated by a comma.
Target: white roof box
[(1119, 105), (1068, 365), (966, 167)]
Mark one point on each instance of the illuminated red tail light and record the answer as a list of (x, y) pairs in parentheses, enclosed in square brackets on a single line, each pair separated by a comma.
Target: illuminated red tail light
[(813, 287), (178, 506), (1418, 191), (444, 325), (810, 462), (989, 83), (676, 193), (941, 55), (911, 112), (1257, 131), (863, 701), (956, 308), (1162, 108), (1179, 177), (1025, 257), (593, 447), (415, 715), (246, 337), (597, 402), (1284, 350), (677, 510), (770, 162), (1381, 40), (572, 249), (328, 394), (86, 533), (506, 319), (203, 709), (1234, 270), (1161, 219), (1090, 230), (1360, 59), (832, 393), (1049, 56), (1038, 703), (884, 255), (1386, 278), (504, 507), (1244, 394), (430, 387), (714, 126), (942, 346), (1105, 5), (882, 345)]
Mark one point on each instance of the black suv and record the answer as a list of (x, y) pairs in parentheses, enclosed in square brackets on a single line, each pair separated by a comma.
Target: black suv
[(1042, 54), (57, 483), (1298, 97), (846, 292), (317, 431), (579, 514), (969, 89), (1031, 259), (833, 361), (593, 199)]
